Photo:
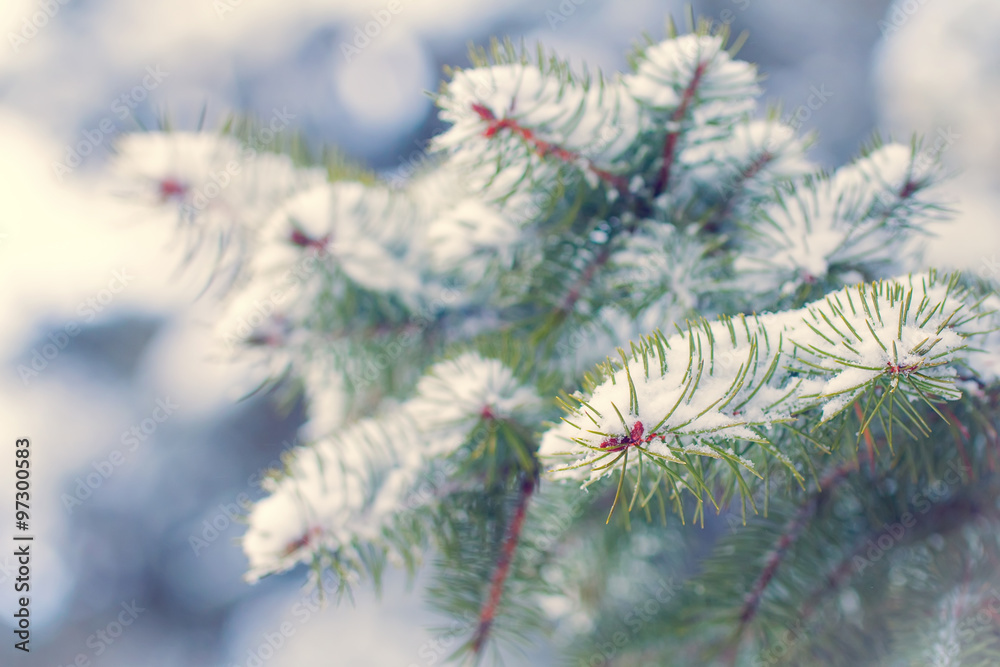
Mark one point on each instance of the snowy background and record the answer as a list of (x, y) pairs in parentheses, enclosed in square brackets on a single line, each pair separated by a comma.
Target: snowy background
[(100, 327)]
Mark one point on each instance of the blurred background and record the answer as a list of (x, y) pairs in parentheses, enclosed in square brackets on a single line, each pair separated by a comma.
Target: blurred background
[(141, 454)]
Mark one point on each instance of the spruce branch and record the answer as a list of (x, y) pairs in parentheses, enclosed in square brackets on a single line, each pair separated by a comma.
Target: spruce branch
[(507, 553), (545, 148), (593, 266), (748, 304), (827, 230), (678, 116), (792, 532), (725, 381), (947, 516), (725, 209)]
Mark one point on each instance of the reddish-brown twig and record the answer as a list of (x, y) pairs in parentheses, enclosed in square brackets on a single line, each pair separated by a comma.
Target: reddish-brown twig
[(793, 530), (544, 148), (670, 144), (488, 612)]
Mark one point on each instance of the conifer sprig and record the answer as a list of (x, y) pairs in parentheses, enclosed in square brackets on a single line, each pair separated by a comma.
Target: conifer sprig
[(763, 319)]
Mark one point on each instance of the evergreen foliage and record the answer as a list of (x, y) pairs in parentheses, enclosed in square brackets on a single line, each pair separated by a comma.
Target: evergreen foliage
[(623, 367)]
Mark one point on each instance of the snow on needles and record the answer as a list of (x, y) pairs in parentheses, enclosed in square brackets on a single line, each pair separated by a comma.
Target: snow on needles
[(666, 69), (456, 394), (331, 494), (352, 485), (734, 378), (657, 195), (518, 114), (842, 227), (759, 153), (213, 185), (466, 238)]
